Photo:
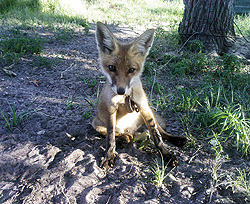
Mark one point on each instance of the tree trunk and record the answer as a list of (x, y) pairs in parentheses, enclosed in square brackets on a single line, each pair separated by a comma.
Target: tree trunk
[(210, 21)]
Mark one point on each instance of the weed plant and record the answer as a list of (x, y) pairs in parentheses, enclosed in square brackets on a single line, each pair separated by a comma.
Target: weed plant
[(220, 178), (159, 171), (242, 181), (16, 117)]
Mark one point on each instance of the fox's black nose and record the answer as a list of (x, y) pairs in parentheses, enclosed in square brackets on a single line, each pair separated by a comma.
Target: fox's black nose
[(121, 91)]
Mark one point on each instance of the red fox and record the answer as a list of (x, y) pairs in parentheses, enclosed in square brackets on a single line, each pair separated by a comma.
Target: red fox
[(123, 105)]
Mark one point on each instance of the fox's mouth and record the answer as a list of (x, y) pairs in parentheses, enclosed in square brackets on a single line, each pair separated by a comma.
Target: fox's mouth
[(120, 90)]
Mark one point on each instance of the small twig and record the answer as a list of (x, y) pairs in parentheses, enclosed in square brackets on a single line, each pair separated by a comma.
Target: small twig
[(209, 138), (8, 72), (66, 70), (210, 34), (127, 172), (8, 67), (33, 150), (108, 200), (194, 154)]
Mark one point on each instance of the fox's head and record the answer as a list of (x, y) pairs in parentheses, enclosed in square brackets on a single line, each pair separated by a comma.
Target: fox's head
[(122, 63)]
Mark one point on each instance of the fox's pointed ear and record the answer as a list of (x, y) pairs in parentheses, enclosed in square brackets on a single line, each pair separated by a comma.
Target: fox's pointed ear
[(106, 42), (143, 44)]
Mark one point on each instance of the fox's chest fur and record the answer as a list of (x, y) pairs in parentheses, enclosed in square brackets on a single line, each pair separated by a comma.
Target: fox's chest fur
[(128, 118)]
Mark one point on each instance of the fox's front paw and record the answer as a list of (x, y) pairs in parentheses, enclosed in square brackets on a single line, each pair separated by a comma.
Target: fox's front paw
[(108, 161)]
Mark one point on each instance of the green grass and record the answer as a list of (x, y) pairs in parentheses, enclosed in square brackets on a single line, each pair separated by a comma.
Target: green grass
[(18, 43), (79, 13), (232, 121), (243, 23), (44, 62), (70, 103), (16, 117), (217, 100), (44, 13), (210, 94), (93, 102), (22, 44), (239, 182), (159, 171), (242, 180)]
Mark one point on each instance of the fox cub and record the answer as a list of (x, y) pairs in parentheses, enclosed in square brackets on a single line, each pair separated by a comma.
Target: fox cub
[(123, 105)]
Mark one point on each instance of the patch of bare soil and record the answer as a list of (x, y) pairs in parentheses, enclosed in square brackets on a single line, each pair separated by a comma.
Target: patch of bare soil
[(54, 155)]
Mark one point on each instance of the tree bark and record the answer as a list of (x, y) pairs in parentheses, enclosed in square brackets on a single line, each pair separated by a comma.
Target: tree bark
[(210, 21)]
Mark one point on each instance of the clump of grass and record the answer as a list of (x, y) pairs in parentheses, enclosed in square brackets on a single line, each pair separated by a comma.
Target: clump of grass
[(89, 83), (15, 117), (190, 64), (186, 100), (70, 102), (227, 118), (18, 44), (87, 114), (208, 106), (93, 102), (163, 102), (6, 5), (143, 139), (242, 181), (220, 177), (44, 61), (196, 46), (159, 171), (243, 22), (22, 44), (216, 144), (231, 63), (233, 123), (64, 34)]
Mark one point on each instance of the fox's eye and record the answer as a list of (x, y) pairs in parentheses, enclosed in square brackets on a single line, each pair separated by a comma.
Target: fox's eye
[(112, 68), (131, 70)]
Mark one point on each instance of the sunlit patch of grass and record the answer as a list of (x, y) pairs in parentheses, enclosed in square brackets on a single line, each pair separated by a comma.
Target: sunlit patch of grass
[(242, 181), (22, 44), (159, 171), (51, 12), (47, 13), (233, 123), (186, 100), (243, 22), (227, 118)]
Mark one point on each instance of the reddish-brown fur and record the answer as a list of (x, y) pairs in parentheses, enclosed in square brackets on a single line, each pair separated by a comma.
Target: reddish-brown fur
[(123, 66)]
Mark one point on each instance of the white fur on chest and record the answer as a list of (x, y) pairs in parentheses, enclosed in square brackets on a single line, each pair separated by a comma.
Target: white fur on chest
[(118, 99)]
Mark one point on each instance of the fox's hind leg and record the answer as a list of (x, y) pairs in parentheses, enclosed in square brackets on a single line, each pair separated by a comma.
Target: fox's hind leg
[(99, 126)]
